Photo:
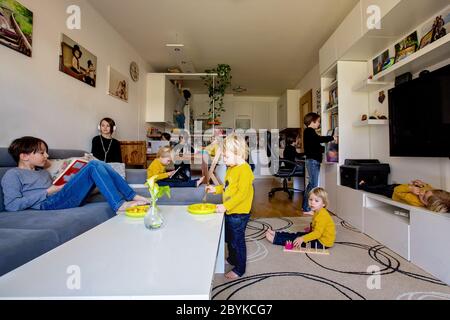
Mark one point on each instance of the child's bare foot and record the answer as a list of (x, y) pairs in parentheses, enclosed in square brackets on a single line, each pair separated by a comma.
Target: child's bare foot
[(141, 199), (270, 235), (231, 275), (200, 181)]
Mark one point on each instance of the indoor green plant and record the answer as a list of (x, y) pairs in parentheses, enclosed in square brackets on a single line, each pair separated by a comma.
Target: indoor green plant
[(153, 219), (217, 84)]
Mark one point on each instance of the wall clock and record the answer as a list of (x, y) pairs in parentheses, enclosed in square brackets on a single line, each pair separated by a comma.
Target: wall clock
[(134, 71)]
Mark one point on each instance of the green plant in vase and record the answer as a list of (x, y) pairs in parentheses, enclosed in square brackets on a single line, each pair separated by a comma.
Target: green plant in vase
[(217, 84), (153, 219)]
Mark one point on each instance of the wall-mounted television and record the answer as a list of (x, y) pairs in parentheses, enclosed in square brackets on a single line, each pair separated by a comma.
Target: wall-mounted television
[(419, 116)]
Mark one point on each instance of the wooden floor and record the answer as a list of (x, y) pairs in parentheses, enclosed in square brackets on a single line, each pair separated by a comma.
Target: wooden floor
[(277, 206)]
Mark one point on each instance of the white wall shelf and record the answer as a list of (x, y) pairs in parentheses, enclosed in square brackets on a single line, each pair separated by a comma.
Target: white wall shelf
[(425, 57), (332, 86), (371, 122), (335, 107), (370, 85)]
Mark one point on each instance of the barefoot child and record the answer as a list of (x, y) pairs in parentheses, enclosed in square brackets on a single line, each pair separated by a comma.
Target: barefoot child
[(323, 232), (237, 202), (30, 186), (158, 168)]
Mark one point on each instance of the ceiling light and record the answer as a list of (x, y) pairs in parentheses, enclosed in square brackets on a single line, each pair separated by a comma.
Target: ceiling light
[(239, 89), (174, 45)]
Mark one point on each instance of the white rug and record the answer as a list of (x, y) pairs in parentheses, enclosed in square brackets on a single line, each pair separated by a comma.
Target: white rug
[(345, 274)]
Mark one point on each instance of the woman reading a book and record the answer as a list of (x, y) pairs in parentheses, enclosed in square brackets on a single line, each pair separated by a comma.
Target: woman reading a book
[(29, 186), (104, 146)]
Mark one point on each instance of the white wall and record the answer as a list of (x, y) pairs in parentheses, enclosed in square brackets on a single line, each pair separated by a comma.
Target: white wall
[(311, 82), (232, 103), (37, 99)]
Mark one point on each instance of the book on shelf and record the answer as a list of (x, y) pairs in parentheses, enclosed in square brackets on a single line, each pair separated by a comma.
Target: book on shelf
[(68, 169)]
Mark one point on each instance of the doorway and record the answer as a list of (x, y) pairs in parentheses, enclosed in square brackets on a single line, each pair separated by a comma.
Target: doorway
[(305, 108)]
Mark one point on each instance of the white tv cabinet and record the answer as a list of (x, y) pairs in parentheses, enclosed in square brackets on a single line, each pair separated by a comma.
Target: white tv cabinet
[(416, 234)]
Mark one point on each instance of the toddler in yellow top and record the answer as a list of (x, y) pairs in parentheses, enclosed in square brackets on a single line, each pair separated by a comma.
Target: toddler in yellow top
[(158, 168), (323, 230), (416, 193), (237, 202)]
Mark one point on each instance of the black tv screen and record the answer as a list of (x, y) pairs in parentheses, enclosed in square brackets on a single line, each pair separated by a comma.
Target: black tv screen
[(419, 116)]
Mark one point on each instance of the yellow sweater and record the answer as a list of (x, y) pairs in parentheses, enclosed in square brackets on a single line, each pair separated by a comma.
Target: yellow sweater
[(157, 168), (403, 194), (238, 189), (323, 229)]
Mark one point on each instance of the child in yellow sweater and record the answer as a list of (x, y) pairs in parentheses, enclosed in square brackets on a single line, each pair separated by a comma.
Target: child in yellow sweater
[(416, 193), (323, 231), (158, 168), (237, 202)]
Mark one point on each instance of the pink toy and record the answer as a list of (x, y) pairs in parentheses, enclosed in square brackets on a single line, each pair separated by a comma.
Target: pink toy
[(289, 245)]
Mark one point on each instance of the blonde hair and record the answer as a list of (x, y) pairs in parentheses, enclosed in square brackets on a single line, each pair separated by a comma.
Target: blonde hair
[(164, 152), (439, 201), (320, 193), (236, 144)]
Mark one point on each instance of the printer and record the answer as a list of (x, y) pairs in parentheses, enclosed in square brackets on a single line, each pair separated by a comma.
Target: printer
[(371, 171)]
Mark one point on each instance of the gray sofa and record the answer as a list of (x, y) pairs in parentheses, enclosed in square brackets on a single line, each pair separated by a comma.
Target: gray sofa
[(25, 235)]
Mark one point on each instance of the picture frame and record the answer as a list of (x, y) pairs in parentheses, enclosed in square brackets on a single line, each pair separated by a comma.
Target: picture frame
[(406, 47), (426, 39), (17, 40), (118, 84), (77, 62), (380, 62)]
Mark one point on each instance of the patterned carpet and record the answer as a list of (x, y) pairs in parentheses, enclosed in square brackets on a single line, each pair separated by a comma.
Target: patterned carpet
[(345, 274)]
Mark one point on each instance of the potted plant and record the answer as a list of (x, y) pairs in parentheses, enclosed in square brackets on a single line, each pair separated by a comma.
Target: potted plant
[(216, 90)]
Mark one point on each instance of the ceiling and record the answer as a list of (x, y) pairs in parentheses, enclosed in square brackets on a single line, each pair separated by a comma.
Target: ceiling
[(269, 44)]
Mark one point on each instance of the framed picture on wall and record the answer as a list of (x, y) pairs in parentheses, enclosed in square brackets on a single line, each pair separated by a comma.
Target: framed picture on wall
[(77, 62), (16, 27), (118, 84)]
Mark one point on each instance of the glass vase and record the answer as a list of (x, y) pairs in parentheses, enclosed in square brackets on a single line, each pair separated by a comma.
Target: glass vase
[(153, 219)]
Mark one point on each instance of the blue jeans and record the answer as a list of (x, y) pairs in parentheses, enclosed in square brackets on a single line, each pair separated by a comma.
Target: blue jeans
[(95, 174), (281, 238), (235, 225), (313, 168)]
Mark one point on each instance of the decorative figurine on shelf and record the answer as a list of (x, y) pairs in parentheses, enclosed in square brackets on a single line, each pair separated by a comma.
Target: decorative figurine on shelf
[(153, 219), (438, 29), (381, 97)]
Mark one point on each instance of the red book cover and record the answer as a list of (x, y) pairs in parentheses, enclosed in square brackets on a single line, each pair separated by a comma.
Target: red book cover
[(68, 173)]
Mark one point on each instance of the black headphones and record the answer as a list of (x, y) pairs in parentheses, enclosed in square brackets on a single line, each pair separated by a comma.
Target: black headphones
[(111, 122)]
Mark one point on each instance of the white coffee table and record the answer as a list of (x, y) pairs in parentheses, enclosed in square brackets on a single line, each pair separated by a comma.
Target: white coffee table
[(121, 259)]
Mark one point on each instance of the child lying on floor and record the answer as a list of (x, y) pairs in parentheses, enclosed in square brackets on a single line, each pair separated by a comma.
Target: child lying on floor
[(323, 231)]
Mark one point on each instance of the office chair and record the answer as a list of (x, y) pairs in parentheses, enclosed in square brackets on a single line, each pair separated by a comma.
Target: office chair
[(288, 169)]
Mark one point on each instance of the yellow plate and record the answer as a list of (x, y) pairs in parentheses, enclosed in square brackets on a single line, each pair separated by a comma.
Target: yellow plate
[(202, 208), (136, 211)]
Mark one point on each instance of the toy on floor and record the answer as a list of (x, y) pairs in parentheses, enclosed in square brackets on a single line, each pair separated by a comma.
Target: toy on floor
[(289, 247)]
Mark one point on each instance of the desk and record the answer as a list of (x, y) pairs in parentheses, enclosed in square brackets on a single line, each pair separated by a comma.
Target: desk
[(121, 259)]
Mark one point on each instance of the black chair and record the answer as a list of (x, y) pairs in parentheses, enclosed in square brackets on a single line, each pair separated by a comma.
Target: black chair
[(287, 170)]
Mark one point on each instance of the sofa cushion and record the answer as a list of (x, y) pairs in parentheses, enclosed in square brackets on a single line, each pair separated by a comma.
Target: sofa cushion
[(18, 246), (67, 223)]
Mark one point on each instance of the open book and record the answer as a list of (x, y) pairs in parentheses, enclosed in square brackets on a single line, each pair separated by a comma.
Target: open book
[(69, 168)]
